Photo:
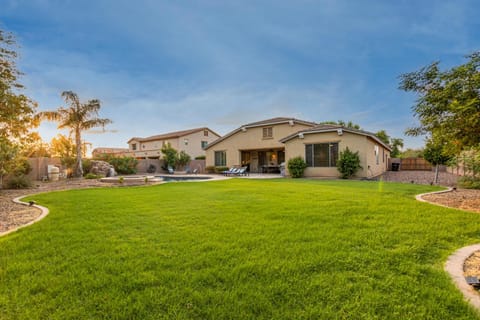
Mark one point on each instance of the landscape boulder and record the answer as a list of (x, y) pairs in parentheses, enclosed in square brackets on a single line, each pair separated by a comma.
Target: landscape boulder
[(101, 168)]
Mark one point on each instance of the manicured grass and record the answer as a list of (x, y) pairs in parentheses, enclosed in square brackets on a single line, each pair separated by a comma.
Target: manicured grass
[(237, 249)]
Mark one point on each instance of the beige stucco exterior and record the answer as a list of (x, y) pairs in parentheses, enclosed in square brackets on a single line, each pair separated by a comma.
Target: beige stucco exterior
[(368, 150), (189, 141), (257, 150)]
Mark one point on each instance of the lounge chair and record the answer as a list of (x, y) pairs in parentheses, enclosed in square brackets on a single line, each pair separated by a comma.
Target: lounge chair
[(230, 171), (242, 171)]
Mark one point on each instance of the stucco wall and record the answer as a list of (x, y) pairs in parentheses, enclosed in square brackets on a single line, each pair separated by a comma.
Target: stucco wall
[(355, 142), (193, 148), (251, 139)]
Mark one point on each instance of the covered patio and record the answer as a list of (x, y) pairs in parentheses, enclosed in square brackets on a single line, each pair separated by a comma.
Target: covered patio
[(263, 160)]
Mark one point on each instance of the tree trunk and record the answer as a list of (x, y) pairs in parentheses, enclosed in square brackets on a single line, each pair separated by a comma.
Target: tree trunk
[(78, 145), (435, 181)]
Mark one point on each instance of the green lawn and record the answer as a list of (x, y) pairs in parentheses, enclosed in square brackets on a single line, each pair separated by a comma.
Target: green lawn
[(237, 249)]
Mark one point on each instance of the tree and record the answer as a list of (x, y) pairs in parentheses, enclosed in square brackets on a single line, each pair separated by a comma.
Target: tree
[(183, 158), (16, 110), (448, 102), (436, 153), (63, 147), (169, 155), (77, 117), (395, 143), (348, 163), (8, 155), (342, 123)]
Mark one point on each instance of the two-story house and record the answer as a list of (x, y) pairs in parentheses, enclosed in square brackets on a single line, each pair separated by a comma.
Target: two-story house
[(192, 141)]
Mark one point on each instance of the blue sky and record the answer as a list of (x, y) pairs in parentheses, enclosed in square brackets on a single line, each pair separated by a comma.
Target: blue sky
[(160, 66)]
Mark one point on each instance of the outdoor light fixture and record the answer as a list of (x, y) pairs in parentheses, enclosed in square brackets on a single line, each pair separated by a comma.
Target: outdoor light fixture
[(340, 132), (300, 135)]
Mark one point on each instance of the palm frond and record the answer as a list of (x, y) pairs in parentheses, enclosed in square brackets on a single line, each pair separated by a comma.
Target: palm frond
[(92, 123)]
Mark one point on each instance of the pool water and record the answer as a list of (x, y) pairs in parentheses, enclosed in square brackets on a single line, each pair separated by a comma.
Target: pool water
[(182, 178)]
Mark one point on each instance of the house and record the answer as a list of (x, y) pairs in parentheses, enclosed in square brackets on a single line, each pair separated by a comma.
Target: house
[(320, 147), (192, 141), (102, 151), (255, 145), (263, 146)]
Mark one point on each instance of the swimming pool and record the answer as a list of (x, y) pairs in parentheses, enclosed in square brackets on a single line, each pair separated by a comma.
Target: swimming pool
[(168, 178)]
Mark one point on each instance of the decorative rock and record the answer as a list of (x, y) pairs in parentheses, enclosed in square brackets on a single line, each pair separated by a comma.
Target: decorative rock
[(101, 168)]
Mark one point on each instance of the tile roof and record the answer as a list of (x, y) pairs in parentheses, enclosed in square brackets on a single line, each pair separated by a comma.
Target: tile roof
[(170, 135), (272, 121), (331, 127)]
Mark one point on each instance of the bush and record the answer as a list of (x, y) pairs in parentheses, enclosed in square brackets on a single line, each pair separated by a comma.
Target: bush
[(183, 159), (19, 182), (210, 169), (151, 169), (92, 176), (124, 165), (296, 166), (87, 165), (220, 169), (348, 163), (200, 158), (469, 182), (23, 167)]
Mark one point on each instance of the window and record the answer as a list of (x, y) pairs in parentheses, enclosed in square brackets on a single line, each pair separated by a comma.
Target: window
[(321, 155), (267, 132), (377, 154), (220, 158), (204, 144), (205, 133), (134, 146)]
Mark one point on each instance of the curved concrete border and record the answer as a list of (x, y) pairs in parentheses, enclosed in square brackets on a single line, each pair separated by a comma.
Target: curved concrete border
[(455, 262), (454, 266), (18, 200), (419, 197)]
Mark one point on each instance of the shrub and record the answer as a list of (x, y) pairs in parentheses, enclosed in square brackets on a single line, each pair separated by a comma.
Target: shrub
[(348, 163), (169, 155), (200, 157), (183, 158), (469, 182), (19, 182), (151, 169), (22, 167), (124, 165), (92, 176), (210, 169), (220, 169), (296, 166), (87, 165)]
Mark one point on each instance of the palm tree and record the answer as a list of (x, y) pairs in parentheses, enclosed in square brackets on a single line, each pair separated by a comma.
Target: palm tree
[(77, 117)]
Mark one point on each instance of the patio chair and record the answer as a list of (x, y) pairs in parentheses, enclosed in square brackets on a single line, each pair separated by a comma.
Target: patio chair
[(170, 170), (230, 171), (242, 171)]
